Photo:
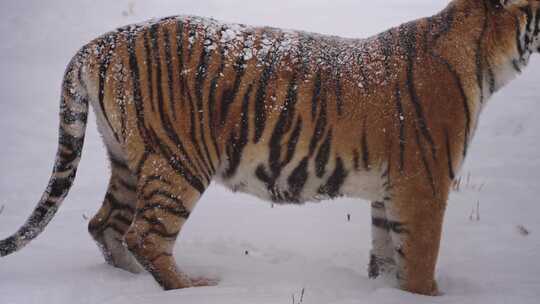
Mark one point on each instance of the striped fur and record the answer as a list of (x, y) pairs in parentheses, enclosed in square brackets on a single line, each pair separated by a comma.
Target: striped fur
[(287, 116)]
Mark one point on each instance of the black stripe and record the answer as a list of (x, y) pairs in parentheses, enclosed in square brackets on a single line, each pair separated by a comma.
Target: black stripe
[(176, 163), (333, 185), (60, 186), (373, 267), (365, 148), (193, 137), (297, 180), (156, 57), (386, 173), (8, 246), (339, 94), (180, 57), (323, 155), (122, 219), (262, 175), (158, 227), (238, 142), (356, 159), (38, 216), (161, 234), (386, 41), (122, 108), (444, 23), (377, 205), (69, 141), (127, 185), (408, 41), (519, 43), (65, 161), (211, 113), (536, 31), (155, 178), (117, 163), (260, 97), (362, 59), (320, 124), (480, 54), (387, 225), (425, 161), (159, 256), (317, 89), (529, 17), (137, 95), (293, 141), (192, 32), (282, 126), (106, 49), (178, 209), (229, 95), (464, 99), (141, 162), (149, 48), (401, 253), (515, 65), (68, 116), (212, 102), (110, 225), (449, 156), (116, 204), (401, 123), (491, 78), (71, 149), (168, 62), (200, 77)]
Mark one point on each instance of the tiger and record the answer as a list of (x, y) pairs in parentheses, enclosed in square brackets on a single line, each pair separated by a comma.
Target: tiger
[(289, 117)]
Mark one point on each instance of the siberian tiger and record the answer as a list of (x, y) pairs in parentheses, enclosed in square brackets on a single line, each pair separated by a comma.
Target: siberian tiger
[(287, 116)]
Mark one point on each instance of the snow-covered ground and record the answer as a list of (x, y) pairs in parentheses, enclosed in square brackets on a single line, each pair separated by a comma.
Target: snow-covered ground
[(490, 260)]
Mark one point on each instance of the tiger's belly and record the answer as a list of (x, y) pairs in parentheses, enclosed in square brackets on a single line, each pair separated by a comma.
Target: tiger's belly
[(299, 182)]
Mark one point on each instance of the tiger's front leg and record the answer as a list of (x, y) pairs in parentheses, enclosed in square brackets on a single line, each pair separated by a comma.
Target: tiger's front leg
[(382, 250), (164, 202), (414, 217)]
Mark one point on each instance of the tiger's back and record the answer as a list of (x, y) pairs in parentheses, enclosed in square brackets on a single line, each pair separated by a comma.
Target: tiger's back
[(288, 116)]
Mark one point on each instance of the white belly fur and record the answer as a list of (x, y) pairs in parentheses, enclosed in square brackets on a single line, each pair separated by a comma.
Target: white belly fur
[(367, 185)]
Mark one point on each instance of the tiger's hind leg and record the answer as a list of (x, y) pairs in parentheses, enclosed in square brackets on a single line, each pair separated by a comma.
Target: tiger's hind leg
[(165, 200), (382, 252), (109, 226)]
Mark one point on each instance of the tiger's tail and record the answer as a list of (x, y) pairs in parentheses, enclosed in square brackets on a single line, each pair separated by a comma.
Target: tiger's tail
[(73, 119)]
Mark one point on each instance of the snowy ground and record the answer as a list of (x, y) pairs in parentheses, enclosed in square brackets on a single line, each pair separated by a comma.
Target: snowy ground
[(289, 248)]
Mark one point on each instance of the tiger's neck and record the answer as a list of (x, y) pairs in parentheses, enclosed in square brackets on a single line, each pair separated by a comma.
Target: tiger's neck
[(502, 65), (499, 55), (464, 46)]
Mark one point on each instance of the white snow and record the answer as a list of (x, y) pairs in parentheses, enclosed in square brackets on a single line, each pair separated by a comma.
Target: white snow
[(314, 247)]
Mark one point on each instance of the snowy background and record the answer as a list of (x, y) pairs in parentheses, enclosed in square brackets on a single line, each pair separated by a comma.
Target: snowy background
[(490, 259)]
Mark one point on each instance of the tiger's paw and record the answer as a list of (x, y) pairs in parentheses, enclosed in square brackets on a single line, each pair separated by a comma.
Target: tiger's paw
[(184, 281), (379, 266), (204, 282), (427, 289)]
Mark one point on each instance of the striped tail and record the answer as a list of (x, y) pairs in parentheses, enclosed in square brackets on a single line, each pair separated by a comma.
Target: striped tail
[(73, 118)]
